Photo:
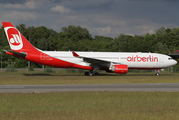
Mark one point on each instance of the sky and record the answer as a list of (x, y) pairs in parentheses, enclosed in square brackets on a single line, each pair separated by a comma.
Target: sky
[(108, 18)]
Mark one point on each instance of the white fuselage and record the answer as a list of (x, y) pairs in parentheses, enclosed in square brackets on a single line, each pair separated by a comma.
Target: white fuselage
[(133, 60)]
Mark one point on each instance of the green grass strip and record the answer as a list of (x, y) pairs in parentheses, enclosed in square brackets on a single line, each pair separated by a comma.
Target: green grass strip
[(32, 78), (90, 106)]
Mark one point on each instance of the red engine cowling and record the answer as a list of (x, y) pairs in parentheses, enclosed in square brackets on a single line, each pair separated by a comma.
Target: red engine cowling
[(120, 69)]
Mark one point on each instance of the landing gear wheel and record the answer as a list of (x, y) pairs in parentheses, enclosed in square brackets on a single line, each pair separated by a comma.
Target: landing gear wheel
[(96, 73), (91, 73), (87, 73), (157, 72)]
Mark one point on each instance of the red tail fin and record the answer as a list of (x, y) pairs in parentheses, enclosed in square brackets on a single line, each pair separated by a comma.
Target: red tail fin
[(16, 40)]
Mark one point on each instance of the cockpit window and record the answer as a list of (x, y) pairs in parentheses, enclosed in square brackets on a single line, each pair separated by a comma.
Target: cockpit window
[(170, 58)]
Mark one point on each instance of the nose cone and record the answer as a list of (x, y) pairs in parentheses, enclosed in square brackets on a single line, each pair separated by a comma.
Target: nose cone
[(174, 62)]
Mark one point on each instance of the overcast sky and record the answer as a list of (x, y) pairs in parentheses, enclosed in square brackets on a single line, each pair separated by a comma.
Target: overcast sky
[(101, 17)]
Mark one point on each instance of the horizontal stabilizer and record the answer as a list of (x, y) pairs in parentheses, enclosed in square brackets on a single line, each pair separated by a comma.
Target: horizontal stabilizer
[(20, 54)]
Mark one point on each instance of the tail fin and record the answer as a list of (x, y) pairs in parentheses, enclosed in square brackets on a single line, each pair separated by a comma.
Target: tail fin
[(16, 40)]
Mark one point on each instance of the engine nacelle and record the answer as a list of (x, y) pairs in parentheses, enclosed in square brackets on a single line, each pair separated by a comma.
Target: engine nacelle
[(120, 69)]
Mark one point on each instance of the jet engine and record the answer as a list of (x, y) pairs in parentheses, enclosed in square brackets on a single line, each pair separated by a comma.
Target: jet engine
[(119, 69)]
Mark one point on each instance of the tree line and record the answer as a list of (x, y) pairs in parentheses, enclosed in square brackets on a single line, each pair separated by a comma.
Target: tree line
[(76, 38)]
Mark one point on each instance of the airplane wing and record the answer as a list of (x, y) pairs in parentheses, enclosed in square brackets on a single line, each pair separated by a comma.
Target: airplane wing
[(20, 54), (95, 61)]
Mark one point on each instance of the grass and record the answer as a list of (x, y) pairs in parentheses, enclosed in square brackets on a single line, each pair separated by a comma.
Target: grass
[(90, 106), (39, 78)]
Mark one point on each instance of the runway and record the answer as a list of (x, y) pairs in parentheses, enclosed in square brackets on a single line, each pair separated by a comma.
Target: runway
[(145, 87)]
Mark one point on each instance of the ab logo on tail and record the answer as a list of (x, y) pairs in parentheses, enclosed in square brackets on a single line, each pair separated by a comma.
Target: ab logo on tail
[(14, 38)]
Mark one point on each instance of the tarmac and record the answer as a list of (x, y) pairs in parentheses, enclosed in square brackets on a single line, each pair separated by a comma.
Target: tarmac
[(142, 87)]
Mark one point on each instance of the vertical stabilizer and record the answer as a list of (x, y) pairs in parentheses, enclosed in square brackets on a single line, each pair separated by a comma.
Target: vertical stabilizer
[(16, 40)]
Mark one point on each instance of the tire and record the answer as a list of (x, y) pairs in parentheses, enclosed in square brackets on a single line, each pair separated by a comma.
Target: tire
[(87, 73), (157, 74), (90, 74)]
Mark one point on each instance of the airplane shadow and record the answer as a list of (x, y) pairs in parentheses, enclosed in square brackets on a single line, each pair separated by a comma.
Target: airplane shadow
[(102, 74), (38, 74)]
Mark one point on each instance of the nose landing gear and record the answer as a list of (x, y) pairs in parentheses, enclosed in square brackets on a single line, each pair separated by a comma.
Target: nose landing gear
[(157, 72)]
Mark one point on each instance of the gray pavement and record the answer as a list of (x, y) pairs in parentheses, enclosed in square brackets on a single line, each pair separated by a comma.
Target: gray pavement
[(145, 87)]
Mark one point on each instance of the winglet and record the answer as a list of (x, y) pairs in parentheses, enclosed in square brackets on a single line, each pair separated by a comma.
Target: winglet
[(75, 54)]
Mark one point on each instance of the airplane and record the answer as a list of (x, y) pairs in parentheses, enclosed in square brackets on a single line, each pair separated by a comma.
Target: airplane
[(115, 62)]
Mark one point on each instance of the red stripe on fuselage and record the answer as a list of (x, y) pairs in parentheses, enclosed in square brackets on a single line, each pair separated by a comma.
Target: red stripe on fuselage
[(42, 58)]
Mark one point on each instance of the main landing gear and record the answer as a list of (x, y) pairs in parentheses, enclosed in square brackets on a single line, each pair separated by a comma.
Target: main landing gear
[(91, 73), (157, 72)]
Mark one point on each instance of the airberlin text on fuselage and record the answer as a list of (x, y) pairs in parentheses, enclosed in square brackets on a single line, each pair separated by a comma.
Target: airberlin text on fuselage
[(137, 58)]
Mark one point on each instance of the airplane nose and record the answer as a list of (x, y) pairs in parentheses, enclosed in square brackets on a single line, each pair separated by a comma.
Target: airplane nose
[(174, 62)]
